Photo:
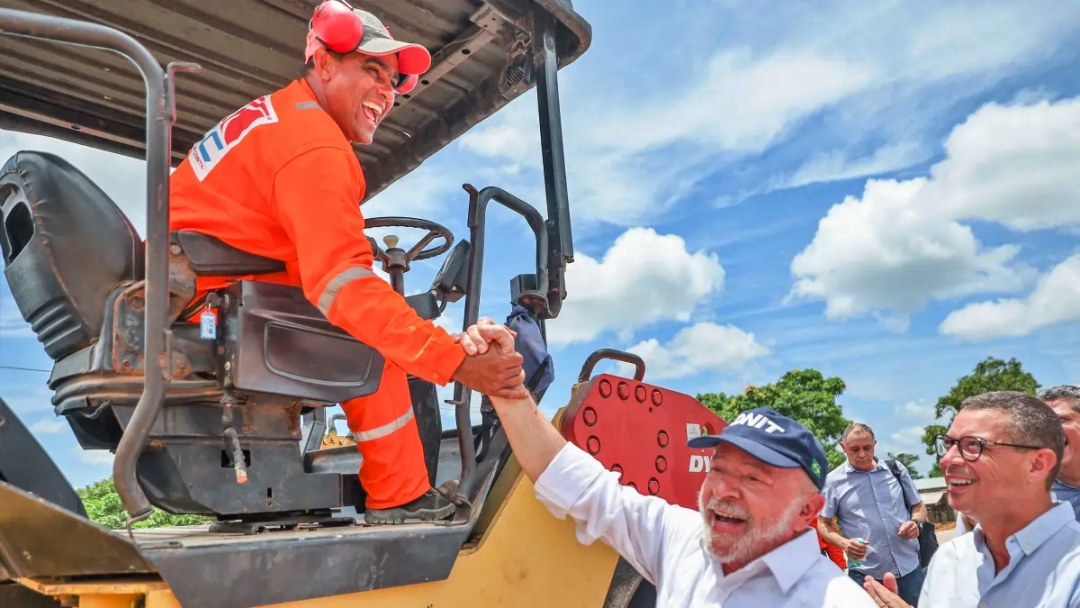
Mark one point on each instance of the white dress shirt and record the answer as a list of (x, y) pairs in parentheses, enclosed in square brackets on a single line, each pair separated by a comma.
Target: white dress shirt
[(1043, 569), (666, 544)]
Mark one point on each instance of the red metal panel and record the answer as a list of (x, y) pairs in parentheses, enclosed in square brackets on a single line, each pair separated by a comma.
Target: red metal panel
[(641, 430)]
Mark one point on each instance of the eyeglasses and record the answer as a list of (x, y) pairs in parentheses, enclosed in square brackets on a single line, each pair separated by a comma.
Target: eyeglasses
[(971, 448)]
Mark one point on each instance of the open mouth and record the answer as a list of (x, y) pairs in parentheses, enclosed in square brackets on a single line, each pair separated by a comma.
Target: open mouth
[(372, 111), (724, 521), (959, 484)]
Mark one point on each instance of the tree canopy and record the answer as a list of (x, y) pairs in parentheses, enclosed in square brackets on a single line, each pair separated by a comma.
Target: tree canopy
[(103, 506), (990, 374), (806, 396), (908, 460)]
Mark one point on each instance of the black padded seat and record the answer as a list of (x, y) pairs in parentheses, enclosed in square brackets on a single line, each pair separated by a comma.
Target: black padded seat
[(66, 246)]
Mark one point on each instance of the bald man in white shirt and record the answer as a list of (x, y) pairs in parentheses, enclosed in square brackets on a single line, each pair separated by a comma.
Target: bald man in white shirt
[(751, 544)]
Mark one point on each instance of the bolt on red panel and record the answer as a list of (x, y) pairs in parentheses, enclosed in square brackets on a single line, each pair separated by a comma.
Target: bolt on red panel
[(640, 431)]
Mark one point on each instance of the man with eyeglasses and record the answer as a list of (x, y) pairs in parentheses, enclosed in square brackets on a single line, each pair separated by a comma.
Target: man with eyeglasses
[(1065, 401), (1000, 458)]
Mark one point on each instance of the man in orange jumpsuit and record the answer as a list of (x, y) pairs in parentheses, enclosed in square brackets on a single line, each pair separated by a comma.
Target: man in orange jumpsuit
[(278, 178)]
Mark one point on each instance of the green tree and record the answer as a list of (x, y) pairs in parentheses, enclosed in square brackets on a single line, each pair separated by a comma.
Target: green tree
[(908, 460), (103, 506), (803, 395), (935, 471), (990, 374)]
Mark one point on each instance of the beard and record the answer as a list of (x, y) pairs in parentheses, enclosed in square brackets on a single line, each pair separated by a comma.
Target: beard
[(756, 540)]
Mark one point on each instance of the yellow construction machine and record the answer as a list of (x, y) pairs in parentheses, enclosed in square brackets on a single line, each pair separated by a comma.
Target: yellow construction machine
[(232, 425)]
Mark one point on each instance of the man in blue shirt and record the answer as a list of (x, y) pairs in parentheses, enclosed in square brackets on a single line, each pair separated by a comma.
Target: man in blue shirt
[(1065, 401), (1000, 458), (871, 504)]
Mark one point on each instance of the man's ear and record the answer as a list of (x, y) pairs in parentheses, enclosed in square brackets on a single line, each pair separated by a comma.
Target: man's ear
[(324, 64), (812, 507), (1042, 462)]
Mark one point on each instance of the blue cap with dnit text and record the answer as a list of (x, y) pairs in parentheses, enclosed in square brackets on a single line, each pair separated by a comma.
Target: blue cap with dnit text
[(775, 440)]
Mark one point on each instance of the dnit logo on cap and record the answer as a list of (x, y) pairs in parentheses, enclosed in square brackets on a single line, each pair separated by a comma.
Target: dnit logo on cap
[(758, 421)]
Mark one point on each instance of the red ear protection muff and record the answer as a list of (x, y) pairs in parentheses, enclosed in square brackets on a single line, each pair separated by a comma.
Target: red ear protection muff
[(336, 26), (406, 84)]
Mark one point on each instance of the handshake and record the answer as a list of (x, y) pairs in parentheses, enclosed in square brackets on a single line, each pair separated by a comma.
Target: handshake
[(492, 366)]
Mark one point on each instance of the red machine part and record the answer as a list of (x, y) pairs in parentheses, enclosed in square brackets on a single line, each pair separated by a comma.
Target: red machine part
[(640, 431)]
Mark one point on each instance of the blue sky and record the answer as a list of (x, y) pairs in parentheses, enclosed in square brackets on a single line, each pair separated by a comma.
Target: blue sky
[(881, 191)]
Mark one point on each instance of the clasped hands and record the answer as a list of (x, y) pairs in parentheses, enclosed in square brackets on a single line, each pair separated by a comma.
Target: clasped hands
[(491, 365)]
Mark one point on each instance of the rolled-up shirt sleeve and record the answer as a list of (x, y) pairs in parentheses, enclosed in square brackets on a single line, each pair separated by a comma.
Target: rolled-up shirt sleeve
[(637, 527)]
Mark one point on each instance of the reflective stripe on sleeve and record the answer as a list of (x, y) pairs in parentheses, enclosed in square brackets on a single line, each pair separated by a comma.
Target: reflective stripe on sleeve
[(385, 429), (326, 300)]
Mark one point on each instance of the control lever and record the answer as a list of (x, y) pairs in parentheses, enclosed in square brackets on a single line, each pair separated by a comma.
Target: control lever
[(232, 440)]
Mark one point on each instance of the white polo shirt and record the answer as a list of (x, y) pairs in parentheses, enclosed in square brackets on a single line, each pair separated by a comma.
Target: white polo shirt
[(666, 544)]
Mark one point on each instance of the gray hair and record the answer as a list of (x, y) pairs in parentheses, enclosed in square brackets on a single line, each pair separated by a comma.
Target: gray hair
[(1064, 392), (857, 426), (1031, 422)]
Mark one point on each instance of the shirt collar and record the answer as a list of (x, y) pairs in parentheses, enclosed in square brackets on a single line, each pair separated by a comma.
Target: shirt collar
[(1041, 529), (1033, 535), (1061, 485), (791, 560), (850, 468)]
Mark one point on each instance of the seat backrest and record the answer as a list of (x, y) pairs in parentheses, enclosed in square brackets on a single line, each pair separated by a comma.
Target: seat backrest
[(65, 245)]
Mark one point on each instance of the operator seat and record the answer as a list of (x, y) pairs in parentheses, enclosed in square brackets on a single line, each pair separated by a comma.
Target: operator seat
[(66, 247), (76, 268)]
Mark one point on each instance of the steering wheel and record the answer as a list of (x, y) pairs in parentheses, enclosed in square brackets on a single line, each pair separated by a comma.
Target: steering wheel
[(434, 230)]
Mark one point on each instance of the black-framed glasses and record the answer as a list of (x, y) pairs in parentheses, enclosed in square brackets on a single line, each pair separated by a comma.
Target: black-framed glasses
[(971, 448)]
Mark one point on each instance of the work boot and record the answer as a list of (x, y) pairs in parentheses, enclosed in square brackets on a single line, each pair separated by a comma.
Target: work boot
[(434, 505)]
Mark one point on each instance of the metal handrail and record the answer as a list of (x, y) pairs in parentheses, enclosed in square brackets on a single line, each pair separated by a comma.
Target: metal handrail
[(478, 204), (159, 119)]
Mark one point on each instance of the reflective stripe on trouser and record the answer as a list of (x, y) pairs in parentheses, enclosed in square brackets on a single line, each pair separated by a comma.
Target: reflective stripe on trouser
[(393, 471)]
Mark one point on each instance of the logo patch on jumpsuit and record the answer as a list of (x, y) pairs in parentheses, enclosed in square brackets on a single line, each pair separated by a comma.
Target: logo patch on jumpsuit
[(232, 129)]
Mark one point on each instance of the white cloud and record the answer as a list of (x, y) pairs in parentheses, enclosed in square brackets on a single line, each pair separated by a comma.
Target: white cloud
[(93, 457), (1053, 301), (1015, 165), (699, 348), (636, 151), (422, 193), (914, 411), (909, 440), (903, 243), (642, 279), (840, 165), (48, 426), (887, 251), (611, 176), (742, 101)]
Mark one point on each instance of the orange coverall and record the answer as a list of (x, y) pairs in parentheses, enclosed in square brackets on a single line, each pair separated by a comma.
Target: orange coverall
[(836, 554), (278, 178)]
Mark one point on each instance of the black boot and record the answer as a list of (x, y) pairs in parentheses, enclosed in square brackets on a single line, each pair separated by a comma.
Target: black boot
[(434, 505)]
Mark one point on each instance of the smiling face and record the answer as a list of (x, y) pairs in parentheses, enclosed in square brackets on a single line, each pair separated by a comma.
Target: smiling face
[(750, 508), (1002, 474), (356, 90)]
